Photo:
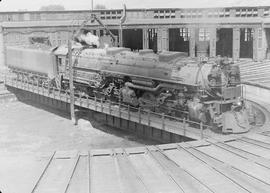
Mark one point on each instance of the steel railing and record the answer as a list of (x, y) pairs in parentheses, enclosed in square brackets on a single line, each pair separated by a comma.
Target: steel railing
[(181, 126)]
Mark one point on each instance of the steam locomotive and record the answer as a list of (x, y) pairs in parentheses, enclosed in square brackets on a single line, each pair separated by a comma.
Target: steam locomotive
[(168, 82)]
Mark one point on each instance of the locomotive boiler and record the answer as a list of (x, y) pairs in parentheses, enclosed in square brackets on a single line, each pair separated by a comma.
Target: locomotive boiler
[(168, 82)]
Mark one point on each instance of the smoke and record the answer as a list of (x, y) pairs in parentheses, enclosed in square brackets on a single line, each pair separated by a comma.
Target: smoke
[(88, 39)]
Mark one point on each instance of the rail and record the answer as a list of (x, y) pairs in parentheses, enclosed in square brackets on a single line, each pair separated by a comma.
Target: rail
[(162, 121), (239, 165)]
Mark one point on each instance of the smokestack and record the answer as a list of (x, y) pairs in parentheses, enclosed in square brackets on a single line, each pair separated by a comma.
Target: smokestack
[(123, 17)]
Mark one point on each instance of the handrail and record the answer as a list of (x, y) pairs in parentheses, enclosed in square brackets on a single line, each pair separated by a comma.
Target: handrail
[(255, 84), (122, 110)]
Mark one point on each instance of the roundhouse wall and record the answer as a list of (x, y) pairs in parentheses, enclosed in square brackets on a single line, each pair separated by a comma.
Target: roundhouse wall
[(18, 26)]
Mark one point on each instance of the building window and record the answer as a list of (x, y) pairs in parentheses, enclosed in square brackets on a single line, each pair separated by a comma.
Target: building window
[(182, 14), (184, 32), (227, 12), (249, 12), (255, 12), (162, 14), (237, 14), (155, 14), (243, 12), (266, 12), (204, 34), (167, 14), (248, 34)]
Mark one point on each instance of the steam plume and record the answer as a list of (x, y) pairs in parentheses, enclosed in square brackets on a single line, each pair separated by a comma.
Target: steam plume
[(88, 39)]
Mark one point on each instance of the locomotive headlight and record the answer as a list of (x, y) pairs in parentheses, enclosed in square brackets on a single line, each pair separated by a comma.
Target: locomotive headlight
[(239, 101)]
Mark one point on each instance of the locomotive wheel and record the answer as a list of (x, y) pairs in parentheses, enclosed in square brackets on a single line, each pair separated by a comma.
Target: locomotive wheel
[(148, 101), (99, 95), (165, 109), (213, 127)]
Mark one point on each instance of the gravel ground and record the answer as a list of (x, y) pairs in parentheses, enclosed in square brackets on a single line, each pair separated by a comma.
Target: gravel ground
[(25, 128)]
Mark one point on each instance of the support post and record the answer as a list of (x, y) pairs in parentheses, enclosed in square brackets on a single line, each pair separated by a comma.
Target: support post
[(33, 88), (59, 94), (2, 49), (48, 90), (201, 129), (140, 115), (163, 121), (42, 89), (53, 89), (101, 104), (119, 105), (192, 42), (258, 48), (110, 107), (119, 110), (66, 95), (163, 39), (128, 112), (95, 103), (21, 81), (148, 117), (145, 39), (80, 99), (184, 122), (236, 43), (87, 98), (121, 36), (213, 39), (38, 85), (71, 87)]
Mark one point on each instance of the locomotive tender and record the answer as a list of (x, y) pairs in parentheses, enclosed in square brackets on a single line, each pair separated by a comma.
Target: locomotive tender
[(168, 82)]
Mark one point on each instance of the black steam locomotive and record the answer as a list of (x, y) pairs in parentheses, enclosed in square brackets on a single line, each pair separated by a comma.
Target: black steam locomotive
[(169, 82)]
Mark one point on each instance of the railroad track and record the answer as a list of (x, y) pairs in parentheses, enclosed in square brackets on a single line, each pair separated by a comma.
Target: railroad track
[(64, 173), (237, 165)]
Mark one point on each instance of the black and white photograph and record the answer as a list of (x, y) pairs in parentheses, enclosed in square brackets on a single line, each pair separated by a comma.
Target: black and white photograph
[(125, 96)]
